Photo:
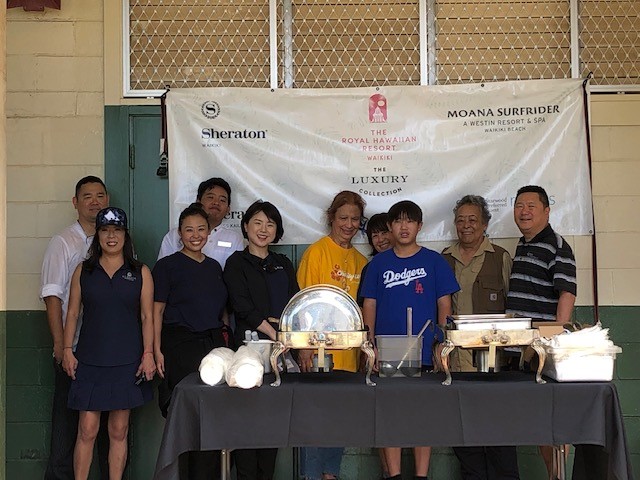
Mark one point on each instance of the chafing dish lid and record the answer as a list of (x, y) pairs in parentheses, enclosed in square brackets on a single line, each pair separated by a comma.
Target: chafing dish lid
[(321, 308)]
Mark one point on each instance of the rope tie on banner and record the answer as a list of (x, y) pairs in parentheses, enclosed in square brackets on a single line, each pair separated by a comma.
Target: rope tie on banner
[(594, 258), (163, 167)]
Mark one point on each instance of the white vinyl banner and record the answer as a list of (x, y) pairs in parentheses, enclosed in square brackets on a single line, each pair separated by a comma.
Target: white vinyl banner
[(297, 148)]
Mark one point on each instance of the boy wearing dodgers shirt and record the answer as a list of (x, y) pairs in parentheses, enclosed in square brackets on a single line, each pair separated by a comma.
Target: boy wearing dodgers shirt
[(407, 275)]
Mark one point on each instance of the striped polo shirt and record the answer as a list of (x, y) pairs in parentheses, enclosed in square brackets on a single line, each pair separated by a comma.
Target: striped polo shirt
[(542, 268)]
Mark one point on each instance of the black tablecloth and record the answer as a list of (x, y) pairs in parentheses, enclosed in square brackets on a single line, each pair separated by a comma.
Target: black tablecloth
[(339, 409)]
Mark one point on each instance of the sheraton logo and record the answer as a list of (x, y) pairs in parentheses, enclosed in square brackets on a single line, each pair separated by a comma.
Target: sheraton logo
[(210, 109), (213, 134)]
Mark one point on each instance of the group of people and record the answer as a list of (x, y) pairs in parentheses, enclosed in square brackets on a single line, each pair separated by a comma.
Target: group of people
[(115, 323)]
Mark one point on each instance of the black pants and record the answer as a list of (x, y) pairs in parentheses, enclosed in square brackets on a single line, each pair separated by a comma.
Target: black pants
[(183, 351), (64, 430), (255, 464), (199, 465), (488, 463)]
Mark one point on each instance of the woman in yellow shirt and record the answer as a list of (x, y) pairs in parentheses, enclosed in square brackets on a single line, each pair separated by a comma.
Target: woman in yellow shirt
[(333, 260)]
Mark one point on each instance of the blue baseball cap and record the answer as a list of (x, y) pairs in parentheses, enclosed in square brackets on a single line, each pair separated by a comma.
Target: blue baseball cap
[(111, 216)]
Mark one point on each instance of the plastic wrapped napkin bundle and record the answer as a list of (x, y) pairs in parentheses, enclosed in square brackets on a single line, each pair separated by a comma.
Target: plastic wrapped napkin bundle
[(246, 369), (214, 365), (594, 338), (242, 369)]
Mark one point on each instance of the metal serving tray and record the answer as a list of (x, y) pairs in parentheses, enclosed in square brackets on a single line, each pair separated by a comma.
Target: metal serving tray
[(322, 317), (502, 321)]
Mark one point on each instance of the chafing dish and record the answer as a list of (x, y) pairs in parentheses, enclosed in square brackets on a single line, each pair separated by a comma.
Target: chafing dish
[(505, 321), (322, 317), (490, 332)]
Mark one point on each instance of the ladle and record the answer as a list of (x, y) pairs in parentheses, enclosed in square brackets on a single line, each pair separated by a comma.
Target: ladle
[(388, 369)]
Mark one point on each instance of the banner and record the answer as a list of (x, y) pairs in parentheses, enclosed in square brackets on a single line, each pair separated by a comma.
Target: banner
[(297, 148)]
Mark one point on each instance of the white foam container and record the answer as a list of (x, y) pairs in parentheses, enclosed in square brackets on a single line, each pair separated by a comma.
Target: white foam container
[(584, 364), (263, 347)]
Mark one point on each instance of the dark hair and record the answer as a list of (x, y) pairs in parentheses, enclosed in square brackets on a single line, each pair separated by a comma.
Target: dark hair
[(194, 209), (272, 213), (346, 197), (377, 223), (477, 201), (95, 252), (405, 208), (214, 182), (89, 179), (542, 194)]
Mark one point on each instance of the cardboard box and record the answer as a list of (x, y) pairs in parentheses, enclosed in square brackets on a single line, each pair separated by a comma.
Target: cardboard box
[(548, 329)]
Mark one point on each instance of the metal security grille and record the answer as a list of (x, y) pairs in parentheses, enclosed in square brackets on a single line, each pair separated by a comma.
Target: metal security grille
[(198, 43), (501, 40), (610, 41), (354, 43)]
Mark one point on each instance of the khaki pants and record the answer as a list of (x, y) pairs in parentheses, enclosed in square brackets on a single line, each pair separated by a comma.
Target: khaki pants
[(461, 360)]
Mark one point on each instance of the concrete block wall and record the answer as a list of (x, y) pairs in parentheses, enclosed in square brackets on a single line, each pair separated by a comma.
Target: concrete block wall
[(616, 195), (55, 130)]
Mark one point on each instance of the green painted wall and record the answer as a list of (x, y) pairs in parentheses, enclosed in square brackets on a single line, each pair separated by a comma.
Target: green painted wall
[(3, 392), (29, 386)]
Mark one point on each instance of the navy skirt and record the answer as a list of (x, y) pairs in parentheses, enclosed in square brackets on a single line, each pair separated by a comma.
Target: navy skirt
[(99, 389)]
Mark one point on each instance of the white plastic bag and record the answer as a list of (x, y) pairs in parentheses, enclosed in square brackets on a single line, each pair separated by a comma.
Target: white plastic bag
[(246, 369), (214, 365)]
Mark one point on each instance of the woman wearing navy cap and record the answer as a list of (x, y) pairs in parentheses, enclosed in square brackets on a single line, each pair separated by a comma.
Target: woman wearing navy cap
[(114, 356)]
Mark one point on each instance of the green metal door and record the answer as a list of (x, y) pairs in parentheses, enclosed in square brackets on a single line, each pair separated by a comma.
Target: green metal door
[(132, 146), (149, 201)]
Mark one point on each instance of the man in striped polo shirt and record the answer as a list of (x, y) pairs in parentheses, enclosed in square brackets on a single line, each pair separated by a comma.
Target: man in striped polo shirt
[(543, 278)]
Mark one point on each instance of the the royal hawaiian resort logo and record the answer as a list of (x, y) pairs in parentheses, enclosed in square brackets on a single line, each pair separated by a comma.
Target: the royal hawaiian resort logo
[(377, 108)]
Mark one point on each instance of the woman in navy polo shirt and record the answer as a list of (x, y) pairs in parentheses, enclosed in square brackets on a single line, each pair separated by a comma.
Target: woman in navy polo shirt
[(261, 283), (114, 356), (189, 320)]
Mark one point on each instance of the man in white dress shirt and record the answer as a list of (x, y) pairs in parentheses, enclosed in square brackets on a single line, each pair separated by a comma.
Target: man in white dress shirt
[(215, 196), (65, 251)]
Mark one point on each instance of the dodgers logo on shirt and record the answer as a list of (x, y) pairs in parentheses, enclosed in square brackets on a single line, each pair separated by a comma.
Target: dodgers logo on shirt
[(392, 279)]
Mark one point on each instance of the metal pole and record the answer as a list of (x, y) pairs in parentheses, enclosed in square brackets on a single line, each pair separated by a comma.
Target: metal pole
[(225, 464), (575, 38), (273, 43), (287, 41), (429, 39)]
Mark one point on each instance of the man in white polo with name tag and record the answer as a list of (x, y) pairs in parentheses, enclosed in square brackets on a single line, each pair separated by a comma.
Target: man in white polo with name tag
[(215, 196), (65, 251), (543, 277)]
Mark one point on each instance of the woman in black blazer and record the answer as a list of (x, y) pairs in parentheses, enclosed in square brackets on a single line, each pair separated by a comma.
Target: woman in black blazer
[(260, 284)]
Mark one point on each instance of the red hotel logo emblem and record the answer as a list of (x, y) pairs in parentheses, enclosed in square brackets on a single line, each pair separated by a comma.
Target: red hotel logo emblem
[(377, 108)]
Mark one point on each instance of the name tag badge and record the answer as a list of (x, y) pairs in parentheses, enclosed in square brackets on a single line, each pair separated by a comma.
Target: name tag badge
[(224, 244)]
